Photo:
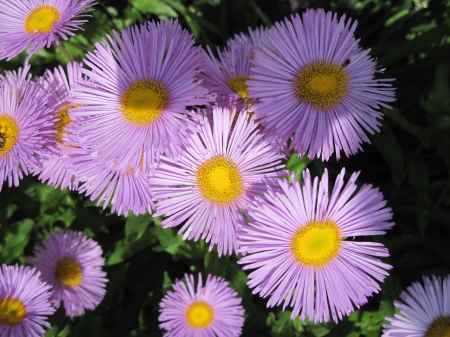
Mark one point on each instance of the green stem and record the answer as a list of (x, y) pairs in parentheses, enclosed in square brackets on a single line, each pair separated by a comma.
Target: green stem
[(64, 51)]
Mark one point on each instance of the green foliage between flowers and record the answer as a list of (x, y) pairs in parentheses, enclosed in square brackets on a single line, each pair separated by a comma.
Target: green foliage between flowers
[(409, 160)]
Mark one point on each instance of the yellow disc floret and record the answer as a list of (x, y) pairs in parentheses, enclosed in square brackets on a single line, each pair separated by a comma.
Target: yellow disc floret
[(68, 272), (143, 101), (219, 180), (317, 243), (12, 311), (41, 19), (322, 84), (9, 133), (62, 120), (439, 328), (199, 315), (238, 85)]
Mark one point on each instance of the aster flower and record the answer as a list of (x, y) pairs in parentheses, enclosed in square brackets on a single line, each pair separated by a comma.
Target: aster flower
[(220, 170), (213, 310), (25, 125), (54, 166), (37, 23), (227, 78), (136, 94), (316, 84), (297, 243), (24, 302), (425, 310), (126, 191), (71, 263)]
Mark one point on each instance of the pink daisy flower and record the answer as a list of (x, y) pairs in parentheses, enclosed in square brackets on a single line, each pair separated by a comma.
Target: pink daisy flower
[(220, 170), (212, 310), (425, 310), (227, 79), (25, 126), (24, 302), (296, 242), (136, 93), (315, 84), (72, 263), (37, 23), (54, 167)]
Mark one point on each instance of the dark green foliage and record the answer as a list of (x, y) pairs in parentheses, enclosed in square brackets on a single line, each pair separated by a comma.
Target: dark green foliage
[(409, 160)]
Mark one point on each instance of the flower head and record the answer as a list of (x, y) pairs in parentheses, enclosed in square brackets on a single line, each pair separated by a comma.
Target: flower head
[(297, 243), (220, 170), (211, 310), (315, 84), (53, 165), (126, 191), (24, 302), (37, 23), (227, 78), (135, 95), (71, 263), (425, 310), (25, 126)]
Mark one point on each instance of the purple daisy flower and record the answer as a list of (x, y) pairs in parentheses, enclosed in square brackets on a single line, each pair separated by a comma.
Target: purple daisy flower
[(25, 126), (24, 302), (126, 191), (425, 311), (220, 170), (37, 23), (213, 310), (316, 84), (54, 166), (227, 78), (296, 242), (72, 264), (136, 94)]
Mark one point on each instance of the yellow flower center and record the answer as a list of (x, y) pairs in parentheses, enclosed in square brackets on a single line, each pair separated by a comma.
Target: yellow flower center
[(41, 19), (12, 311), (317, 243), (322, 84), (62, 120), (199, 315), (143, 101), (68, 272), (439, 328), (237, 84), (219, 180), (9, 133)]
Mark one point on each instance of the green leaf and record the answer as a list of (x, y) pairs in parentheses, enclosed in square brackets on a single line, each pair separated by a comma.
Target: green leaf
[(135, 226), (156, 7), (15, 240), (125, 249)]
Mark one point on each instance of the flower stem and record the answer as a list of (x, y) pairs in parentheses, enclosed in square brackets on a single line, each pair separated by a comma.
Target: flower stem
[(64, 51)]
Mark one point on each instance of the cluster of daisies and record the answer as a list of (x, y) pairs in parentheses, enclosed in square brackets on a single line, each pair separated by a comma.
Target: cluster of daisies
[(150, 122), (66, 269)]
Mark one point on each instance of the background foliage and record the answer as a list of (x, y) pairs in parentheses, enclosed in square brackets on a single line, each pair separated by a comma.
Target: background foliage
[(409, 161)]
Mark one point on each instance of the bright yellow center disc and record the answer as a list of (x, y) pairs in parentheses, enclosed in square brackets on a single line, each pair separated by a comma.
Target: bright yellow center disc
[(62, 120), (238, 85), (219, 180), (199, 315), (439, 328), (9, 133), (41, 19), (68, 272), (143, 101), (12, 311), (317, 243), (322, 84)]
